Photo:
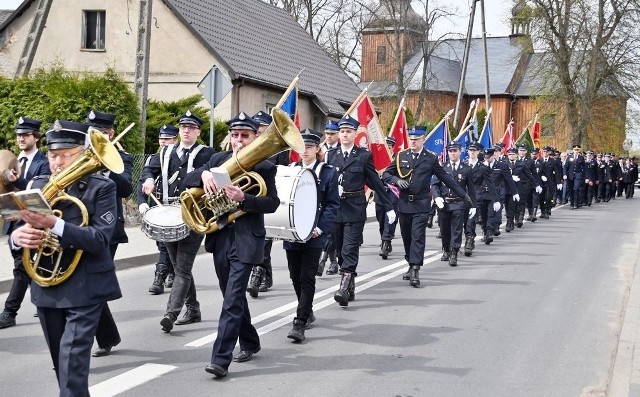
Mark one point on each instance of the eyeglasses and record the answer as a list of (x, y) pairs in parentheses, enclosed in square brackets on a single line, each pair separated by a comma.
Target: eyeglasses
[(24, 135), (189, 127), (63, 156), (245, 135)]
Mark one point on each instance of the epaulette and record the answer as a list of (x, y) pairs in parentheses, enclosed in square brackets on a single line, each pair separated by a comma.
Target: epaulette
[(430, 152), (35, 178), (99, 175)]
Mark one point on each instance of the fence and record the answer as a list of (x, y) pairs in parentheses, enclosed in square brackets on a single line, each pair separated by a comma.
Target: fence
[(131, 215)]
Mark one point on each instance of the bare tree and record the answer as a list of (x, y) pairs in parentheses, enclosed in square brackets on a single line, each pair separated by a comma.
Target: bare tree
[(591, 53)]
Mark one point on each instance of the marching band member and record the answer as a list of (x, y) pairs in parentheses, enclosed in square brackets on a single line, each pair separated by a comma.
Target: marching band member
[(237, 247), (411, 172), (168, 135), (107, 334), (69, 312), (173, 164), (32, 164), (329, 251), (355, 168), (302, 257)]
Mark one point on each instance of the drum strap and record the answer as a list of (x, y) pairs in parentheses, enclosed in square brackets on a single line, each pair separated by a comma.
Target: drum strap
[(317, 168), (164, 166), (192, 155)]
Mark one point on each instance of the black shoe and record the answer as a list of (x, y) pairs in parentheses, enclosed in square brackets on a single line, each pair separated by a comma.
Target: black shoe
[(488, 239), (245, 355), (217, 370), (535, 219), (342, 295), (190, 316), (7, 319), (104, 350), (453, 257), (496, 233), (333, 269), (310, 320), (414, 281), (157, 287), (509, 227), (430, 221), (266, 282), (167, 323), (254, 281), (297, 332), (445, 255), (323, 261)]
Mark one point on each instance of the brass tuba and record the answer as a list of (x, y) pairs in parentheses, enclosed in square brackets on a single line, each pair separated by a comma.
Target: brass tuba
[(280, 134), (100, 154)]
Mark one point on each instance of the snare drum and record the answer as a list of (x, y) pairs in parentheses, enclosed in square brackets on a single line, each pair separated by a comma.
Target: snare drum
[(296, 217), (164, 223)]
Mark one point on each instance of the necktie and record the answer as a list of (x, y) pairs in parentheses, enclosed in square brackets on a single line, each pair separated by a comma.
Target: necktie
[(545, 160), (415, 156), (345, 154), (185, 153), (23, 166), (454, 166)]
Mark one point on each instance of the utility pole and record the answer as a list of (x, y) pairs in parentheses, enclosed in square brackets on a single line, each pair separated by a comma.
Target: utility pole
[(33, 38), (143, 51)]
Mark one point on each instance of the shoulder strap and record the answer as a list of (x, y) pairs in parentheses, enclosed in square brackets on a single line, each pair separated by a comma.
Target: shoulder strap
[(165, 155), (192, 155)]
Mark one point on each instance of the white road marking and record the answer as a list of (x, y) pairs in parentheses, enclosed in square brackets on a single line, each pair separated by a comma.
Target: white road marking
[(130, 379), (208, 339)]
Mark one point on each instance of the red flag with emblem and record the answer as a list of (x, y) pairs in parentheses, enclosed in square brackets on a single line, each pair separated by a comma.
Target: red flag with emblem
[(507, 139), (399, 129), (536, 132), (369, 133)]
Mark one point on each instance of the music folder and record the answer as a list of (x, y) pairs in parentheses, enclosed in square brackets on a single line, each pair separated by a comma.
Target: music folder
[(13, 202)]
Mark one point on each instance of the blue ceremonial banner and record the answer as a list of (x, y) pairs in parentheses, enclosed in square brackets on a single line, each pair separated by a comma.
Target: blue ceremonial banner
[(437, 140), (464, 139), (290, 104), (486, 138)]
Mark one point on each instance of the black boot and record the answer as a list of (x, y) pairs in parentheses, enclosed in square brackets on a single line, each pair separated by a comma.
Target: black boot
[(468, 249), (333, 265), (158, 281), (267, 281), (520, 219), (254, 281), (342, 295), (352, 289), (385, 249), (430, 220), (533, 216), (445, 254), (488, 237), (170, 277), (323, 261), (414, 281), (453, 257), (297, 332), (407, 275), (509, 226)]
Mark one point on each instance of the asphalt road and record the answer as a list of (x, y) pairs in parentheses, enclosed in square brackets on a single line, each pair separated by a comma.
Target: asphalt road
[(536, 313)]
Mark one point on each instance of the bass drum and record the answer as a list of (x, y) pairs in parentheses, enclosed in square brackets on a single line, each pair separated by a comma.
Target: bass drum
[(164, 223), (296, 217)]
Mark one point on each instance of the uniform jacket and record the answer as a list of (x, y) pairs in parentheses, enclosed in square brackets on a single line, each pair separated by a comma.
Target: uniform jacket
[(419, 172), (94, 279), (328, 207), (177, 169), (281, 158), (124, 188), (628, 173), (463, 177), (574, 167), (590, 170), (482, 182), (600, 171), (548, 169), (353, 174), (521, 170), (249, 228), (530, 164), (501, 176), (39, 167)]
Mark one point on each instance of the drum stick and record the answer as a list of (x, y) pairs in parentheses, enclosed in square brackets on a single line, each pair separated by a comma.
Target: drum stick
[(153, 196)]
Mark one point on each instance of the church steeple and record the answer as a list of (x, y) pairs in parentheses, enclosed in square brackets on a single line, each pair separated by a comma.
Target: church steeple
[(520, 19)]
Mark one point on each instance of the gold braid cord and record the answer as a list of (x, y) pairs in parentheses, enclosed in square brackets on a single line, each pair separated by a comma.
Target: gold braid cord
[(408, 174)]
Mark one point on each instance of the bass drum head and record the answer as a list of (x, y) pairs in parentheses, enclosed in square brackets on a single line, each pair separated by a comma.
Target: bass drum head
[(305, 204)]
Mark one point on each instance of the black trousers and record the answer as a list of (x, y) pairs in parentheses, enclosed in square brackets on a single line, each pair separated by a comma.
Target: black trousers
[(387, 230), (183, 292), (69, 333), (19, 287), (347, 237), (266, 263), (107, 333), (235, 319), (413, 229), (163, 256), (303, 264), (451, 226)]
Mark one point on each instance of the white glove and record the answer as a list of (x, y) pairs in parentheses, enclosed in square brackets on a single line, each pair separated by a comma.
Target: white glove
[(472, 212), (497, 206), (144, 207), (391, 215), (559, 186), (340, 190), (516, 197), (539, 189), (515, 178), (544, 178), (439, 202)]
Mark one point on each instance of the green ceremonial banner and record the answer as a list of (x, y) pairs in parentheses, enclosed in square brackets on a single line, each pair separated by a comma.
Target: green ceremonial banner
[(525, 138)]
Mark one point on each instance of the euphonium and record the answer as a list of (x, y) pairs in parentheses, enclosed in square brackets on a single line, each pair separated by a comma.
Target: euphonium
[(100, 154), (280, 134)]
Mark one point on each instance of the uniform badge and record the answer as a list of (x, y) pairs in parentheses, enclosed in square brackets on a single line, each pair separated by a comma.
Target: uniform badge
[(107, 217), (459, 176), (57, 126), (21, 120), (92, 115), (242, 116), (188, 114)]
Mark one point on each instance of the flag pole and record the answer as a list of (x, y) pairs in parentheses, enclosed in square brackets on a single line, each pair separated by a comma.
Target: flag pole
[(289, 89), (355, 103), (472, 107), (395, 119)]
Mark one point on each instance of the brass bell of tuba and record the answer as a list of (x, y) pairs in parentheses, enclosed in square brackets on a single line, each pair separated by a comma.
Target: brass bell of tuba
[(281, 134), (100, 154)]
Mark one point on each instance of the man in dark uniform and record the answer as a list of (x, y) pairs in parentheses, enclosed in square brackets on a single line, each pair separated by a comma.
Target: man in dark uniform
[(329, 252), (387, 230), (574, 174), (551, 180), (590, 178), (69, 312), (633, 170), (507, 190), (451, 207), (600, 173), (32, 164), (355, 169), (107, 334), (529, 189), (412, 171), (522, 176), (173, 164), (237, 247), (609, 178), (168, 135), (486, 194), (630, 177)]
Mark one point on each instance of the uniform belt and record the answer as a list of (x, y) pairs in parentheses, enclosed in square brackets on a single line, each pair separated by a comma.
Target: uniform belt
[(452, 199), (359, 193), (414, 197)]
